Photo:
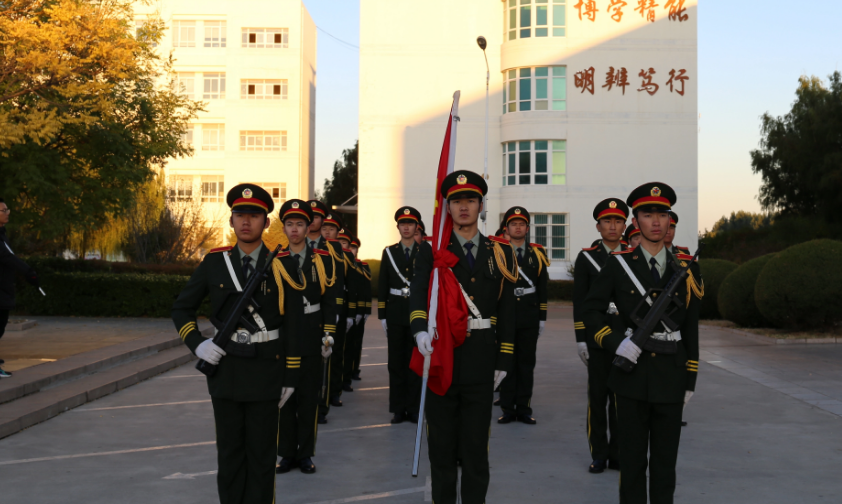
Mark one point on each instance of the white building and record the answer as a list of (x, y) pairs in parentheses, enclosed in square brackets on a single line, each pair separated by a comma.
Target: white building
[(562, 135), (254, 64)]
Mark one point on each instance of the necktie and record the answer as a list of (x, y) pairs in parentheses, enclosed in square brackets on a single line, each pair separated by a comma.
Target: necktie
[(297, 259), (312, 245), (248, 269), (655, 275), (406, 253), (519, 255), (469, 256)]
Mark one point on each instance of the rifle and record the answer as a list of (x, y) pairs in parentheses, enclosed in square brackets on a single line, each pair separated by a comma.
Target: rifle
[(239, 316), (664, 299), (328, 343)]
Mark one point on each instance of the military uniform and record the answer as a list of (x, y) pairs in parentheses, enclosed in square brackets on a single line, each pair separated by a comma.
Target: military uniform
[(354, 281), (310, 304), (649, 398), (604, 449), (458, 423), (244, 390), (676, 249), (393, 307), (364, 308), (530, 300)]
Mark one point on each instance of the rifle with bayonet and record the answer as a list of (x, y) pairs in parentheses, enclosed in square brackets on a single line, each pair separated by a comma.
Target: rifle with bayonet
[(240, 314), (660, 301)]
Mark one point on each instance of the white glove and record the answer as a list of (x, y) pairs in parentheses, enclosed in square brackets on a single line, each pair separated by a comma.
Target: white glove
[(629, 350), (327, 346), (498, 378), (425, 343), (358, 318), (541, 328), (687, 395), (286, 393), (583, 352), (337, 318), (349, 323), (209, 352), (365, 317), (326, 351), (385, 328)]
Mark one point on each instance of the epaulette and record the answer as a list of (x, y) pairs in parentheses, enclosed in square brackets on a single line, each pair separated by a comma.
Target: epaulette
[(499, 240), (686, 250), (591, 248), (536, 245), (332, 240), (428, 238), (283, 253), (684, 257), (623, 252), (321, 252), (364, 263), (220, 249), (359, 261)]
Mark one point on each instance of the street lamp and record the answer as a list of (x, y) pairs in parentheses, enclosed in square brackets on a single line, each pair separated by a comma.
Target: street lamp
[(482, 43)]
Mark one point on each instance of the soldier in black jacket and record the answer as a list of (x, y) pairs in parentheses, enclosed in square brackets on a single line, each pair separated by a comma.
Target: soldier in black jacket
[(610, 216), (309, 300), (530, 299), (9, 264), (396, 274), (331, 230), (363, 306), (458, 422)]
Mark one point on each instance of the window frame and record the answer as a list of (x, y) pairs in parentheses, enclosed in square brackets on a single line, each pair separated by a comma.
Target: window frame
[(263, 135), (216, 184), (219, 145), (270, 188), (246, 32), (563, 251), (554, 163), (264, 84), (555, 82), (184, 78), (213, 25), (516, 26), (217, 78), (190, 25)]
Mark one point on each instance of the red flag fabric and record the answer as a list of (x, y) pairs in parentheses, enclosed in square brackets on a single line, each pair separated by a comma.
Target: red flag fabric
[(447, 310)]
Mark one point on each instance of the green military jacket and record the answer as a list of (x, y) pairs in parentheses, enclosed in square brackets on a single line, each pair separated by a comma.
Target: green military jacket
[(484, 350), (353, 281), (392, 307), (530, 309), (319, 288), (364, 299), (239, 378), (334, 249), (584, 275), (656, 378)]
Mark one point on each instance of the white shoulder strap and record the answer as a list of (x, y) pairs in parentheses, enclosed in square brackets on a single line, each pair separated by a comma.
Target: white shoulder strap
[(634, 279), (525, 277), (392, 260), (591, 259), (257, 318)]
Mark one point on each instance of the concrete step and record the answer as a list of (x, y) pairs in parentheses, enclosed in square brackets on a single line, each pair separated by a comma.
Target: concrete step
[(37, 407)]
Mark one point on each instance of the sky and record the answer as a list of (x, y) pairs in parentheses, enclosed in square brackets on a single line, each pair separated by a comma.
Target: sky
[(751, 53)]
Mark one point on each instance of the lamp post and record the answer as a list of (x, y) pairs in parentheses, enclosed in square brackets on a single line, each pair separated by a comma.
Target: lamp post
[(482, 43)]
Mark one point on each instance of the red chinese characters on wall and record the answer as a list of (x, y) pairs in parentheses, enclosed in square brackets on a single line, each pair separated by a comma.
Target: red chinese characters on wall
[(647, 84), (677, 11), (584, 80), (588, 9), (619, 78), (677, 79), (616, 9), (646, 8)]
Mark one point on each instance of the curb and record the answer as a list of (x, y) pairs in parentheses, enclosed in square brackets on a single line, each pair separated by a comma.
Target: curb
[(776, 341), (20, 326)]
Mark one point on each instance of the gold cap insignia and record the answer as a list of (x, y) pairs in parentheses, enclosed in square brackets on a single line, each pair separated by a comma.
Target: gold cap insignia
[(313, 204), (406, 211), (461, 180), (517, 211), (247, 193), (656, 191), (294, 204), (613, 204), (329, 216)]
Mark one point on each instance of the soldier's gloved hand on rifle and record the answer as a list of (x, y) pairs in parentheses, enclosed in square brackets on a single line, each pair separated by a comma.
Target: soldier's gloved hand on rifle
[(349, 323), (357, 319), (541, 328), (209, 352), (327, 345), (286, 393), (687, 395), (582, 350), (629, 350), (424, 343), (498, 378), (326, 351), (365, 318), (383, 323)]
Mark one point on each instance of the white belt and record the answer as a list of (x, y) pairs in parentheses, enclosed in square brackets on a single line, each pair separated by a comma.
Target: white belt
[(664, 336), (474, 324), (312, 308), (243, 336), (520, 291), (400, 292)]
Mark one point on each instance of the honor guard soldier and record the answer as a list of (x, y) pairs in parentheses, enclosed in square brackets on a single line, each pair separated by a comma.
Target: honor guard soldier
[(354, 281), (365, 298), (420, 233), (651, 396), (254, 370), (309, 302), (632, 236), (668, 241), (332, 229), (610, 216), (530, 299), (396, 274), (458, 422)]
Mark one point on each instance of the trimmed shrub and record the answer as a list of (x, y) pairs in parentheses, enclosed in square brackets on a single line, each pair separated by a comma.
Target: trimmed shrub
[(560, 290), (801, 287), (736, 294), (714, 271), (103, 295)]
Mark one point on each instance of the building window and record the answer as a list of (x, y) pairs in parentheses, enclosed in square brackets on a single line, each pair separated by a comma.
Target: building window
[(538, 162), (213, 137), (181, 187), (213, 188), (186, 84), (215, 34), (184, 34), (535, 88), (187, 136), (270, 38), (534, 18), (550, 230), (263, 140), (278, 190), (263, 89), (214, 86)]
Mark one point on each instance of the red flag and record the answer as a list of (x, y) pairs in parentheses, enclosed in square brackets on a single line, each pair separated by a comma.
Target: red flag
[(447, 310)]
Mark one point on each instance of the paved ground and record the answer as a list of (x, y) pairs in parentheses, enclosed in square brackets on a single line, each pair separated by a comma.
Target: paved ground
[(752, 437)]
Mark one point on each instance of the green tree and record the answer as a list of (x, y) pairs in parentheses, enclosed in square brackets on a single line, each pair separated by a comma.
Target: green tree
[(740, 220), (800, 154), (89, 113), (342, 186)]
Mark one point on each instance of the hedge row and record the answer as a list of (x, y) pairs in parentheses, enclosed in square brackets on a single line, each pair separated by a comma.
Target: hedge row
[(44, 265), (736, 296), (714, 272)]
